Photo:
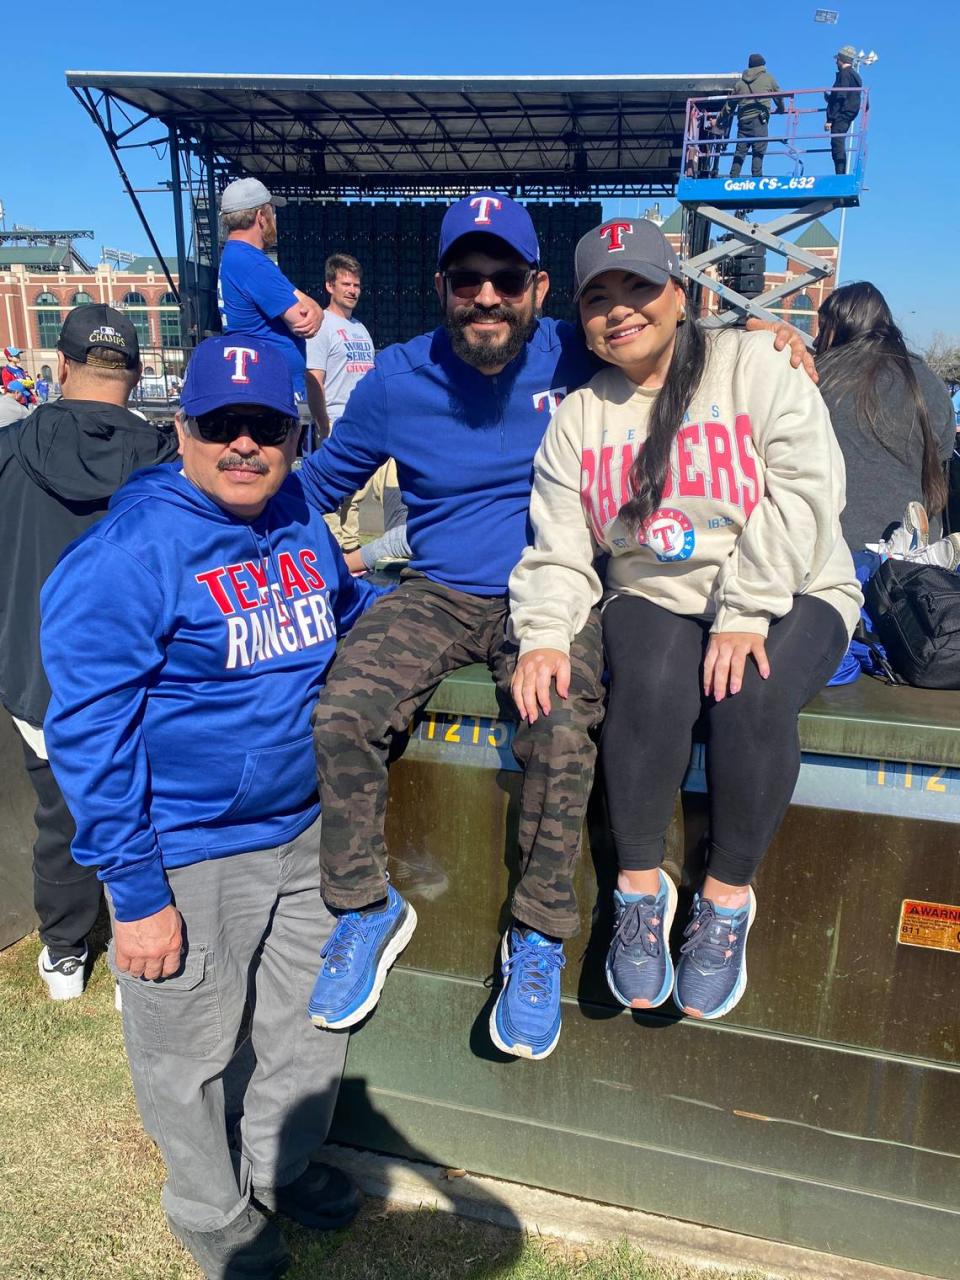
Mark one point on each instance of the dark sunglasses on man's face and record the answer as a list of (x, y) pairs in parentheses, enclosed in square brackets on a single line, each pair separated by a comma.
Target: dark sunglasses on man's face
[(508, 282), (263, 426)]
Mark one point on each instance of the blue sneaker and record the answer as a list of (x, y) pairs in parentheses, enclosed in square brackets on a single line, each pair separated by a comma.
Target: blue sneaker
[(712, 973), (356, 960), (526, 1018), (639, 966)]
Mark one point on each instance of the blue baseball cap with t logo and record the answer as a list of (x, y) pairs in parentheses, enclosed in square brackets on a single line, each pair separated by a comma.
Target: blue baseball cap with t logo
[(235, 369), (495, 214)]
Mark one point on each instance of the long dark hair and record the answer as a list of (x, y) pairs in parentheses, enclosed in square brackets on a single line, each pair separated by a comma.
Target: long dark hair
[(649, 471), (857, 342)]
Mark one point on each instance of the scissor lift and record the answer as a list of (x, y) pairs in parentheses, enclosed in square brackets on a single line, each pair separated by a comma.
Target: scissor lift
[(795, 183)]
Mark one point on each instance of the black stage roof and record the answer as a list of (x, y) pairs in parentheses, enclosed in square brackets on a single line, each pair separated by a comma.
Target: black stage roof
[(413, 136)]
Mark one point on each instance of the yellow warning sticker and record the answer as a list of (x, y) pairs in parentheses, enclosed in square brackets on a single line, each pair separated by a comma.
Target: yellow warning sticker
[(929, 924)]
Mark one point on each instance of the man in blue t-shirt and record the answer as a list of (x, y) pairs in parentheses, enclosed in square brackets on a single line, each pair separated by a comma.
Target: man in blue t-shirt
[(255, 298)]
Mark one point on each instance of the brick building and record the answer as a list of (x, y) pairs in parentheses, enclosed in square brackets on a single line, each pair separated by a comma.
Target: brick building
[(38, 286), (800, 309)]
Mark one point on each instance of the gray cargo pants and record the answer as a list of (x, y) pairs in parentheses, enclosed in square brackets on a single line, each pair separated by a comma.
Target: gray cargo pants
[(253, 922)]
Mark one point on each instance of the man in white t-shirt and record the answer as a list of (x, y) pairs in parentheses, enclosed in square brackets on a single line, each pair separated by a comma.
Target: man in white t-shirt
[(337, 358)]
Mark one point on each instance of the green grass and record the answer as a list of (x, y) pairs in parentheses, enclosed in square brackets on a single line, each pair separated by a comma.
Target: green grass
[(80, 1181)]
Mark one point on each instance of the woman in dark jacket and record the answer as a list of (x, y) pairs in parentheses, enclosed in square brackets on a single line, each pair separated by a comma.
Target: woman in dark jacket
[(891, 414)]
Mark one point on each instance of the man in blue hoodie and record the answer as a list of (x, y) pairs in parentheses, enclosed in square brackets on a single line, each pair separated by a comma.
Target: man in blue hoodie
[(186, 639)]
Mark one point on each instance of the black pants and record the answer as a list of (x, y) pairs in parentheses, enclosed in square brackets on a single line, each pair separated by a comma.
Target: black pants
[(749, 130), (839, 128), (655, 659), (66, 896)]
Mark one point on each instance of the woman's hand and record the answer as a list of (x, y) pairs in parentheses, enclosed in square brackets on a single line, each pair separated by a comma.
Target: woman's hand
[(726, 659), (531, 681)]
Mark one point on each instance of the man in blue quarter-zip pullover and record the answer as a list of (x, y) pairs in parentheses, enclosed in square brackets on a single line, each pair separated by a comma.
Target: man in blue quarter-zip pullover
[(462, 410), (186, 638)]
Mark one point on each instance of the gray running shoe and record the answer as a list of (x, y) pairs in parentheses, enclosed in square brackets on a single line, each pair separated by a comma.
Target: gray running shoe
[(712, 973), (639, 966)]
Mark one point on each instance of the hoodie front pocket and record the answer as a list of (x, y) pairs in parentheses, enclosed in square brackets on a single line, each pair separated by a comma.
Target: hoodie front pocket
[(275, 781)]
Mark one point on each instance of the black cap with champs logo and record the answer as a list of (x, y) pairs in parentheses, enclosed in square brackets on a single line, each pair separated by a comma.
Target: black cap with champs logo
[(97, 325), (625, 244)]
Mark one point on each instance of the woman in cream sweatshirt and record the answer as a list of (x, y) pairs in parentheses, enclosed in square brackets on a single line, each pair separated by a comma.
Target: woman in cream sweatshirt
[(706, 469)]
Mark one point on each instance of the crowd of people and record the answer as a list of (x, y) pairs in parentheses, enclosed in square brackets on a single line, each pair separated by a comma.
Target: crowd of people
[(209, 688)]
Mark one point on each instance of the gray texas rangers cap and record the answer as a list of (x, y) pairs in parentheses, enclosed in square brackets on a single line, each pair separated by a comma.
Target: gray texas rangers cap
[(247, 193), (625, 244)]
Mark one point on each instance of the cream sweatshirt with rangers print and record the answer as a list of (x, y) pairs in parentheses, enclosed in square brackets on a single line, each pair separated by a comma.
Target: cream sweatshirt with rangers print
[(750, 513)]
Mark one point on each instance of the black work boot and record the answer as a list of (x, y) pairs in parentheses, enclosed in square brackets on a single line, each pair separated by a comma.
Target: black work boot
[(250, 1247), (322, 1197)]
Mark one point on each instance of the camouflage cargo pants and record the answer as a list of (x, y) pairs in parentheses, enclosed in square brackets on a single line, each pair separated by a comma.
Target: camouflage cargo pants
[(388, 666)]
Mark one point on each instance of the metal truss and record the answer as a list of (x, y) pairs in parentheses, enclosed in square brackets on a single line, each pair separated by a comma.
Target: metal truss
[(107, 113), (768, 235)]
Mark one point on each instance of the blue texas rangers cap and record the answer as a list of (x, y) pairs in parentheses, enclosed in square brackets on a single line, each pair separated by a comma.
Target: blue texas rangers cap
[(497, 215), (235, 369)]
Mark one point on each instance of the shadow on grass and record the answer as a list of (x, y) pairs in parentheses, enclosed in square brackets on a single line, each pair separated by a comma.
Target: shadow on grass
[(385, 1243)]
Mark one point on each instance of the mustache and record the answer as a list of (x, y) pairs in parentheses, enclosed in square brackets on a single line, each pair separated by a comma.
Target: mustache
[(233, 462), (468, 314)]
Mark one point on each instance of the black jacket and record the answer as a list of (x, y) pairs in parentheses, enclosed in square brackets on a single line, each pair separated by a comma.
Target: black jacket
[(58, 470), (841, 105)]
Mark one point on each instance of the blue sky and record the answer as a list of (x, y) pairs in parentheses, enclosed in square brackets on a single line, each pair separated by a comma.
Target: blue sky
[(904, 237)]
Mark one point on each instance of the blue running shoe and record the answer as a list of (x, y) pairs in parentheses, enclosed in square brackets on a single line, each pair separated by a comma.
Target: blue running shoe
[(712, 973), (356, 960), (639, 966), (526, 1018)]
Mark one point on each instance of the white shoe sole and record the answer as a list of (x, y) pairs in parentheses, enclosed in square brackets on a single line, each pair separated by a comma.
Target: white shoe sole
[(62, 986), (736, 994), (516, 1050), (669, 914), (390, 954)]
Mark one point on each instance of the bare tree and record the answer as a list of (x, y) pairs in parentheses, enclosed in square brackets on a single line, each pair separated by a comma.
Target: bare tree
[(943, 357)]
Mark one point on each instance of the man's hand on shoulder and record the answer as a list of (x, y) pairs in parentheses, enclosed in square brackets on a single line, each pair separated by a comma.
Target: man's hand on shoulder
[(305, 317), (785, 335), (151, 947)]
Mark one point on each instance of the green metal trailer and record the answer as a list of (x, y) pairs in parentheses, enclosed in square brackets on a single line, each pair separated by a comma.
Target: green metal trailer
[(824, 1112)]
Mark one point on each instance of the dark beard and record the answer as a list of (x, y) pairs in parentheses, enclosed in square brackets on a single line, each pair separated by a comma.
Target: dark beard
[(489, 354)]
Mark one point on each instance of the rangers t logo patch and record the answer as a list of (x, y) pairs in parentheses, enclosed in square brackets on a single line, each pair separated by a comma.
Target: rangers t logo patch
[(484, 204), (615, 231), (669, 535)]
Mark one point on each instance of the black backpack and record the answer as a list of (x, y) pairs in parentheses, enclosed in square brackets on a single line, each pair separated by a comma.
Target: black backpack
[(915, 610)]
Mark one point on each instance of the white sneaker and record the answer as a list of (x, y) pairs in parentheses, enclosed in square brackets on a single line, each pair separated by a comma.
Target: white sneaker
[(66, 979), (945, 553), (909, 537)]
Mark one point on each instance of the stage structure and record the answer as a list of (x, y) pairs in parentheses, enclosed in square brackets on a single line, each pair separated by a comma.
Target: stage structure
[(353, 153)]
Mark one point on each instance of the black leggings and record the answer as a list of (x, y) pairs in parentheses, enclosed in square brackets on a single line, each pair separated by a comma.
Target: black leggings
[(655, 659)]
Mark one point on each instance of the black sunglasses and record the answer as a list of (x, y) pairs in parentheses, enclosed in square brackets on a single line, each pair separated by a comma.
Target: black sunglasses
[(263, 426), (508, 282)]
